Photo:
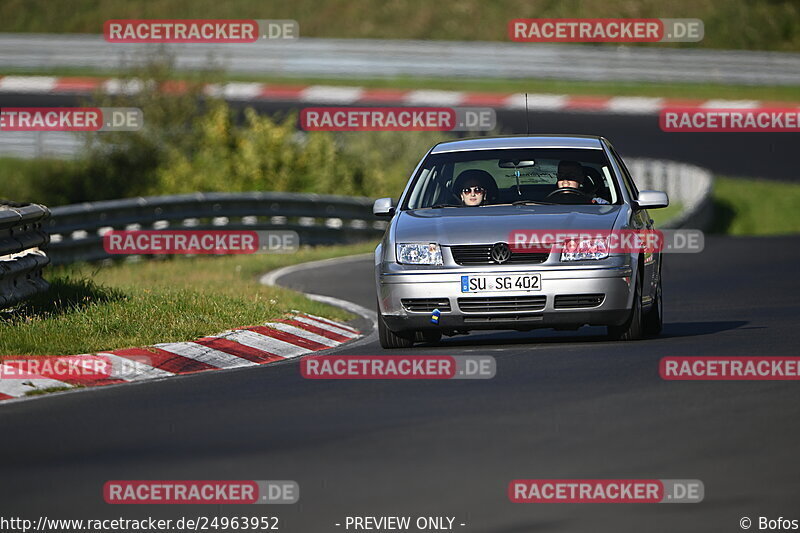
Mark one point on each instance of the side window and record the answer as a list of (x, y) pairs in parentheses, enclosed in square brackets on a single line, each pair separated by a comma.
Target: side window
[(432, 190), (626, 175), (432, 187), (417, 190)]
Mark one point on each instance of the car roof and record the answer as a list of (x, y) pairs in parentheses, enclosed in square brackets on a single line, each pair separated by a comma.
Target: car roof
[(520, 141)]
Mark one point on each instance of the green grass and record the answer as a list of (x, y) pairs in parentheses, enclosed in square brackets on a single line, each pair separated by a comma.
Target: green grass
[(90, 308), (756, 207), (492, 85), (660, 216), (737, 24)]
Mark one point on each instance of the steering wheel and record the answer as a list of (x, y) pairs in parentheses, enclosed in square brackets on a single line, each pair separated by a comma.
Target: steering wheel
[(569, 194), (593, 185)]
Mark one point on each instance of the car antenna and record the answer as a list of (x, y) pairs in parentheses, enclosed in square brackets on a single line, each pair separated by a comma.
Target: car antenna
[(527, 123)]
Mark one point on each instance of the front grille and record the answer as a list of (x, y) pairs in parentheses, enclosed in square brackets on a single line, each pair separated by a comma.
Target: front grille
[(573, 301), (502, 304), (480, 254), (426, 305)]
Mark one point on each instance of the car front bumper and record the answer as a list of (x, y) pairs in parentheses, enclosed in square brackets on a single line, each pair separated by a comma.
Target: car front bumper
[(613, 282)]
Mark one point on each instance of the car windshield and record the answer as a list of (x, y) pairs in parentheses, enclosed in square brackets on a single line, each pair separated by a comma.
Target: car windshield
[(519, 176)]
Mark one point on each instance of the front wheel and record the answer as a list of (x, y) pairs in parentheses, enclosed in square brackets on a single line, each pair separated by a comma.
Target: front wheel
[(389, 339), (632, 329)]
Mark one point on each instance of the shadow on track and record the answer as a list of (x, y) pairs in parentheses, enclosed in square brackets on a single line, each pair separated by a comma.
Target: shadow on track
[(693, 329), (592, 335)]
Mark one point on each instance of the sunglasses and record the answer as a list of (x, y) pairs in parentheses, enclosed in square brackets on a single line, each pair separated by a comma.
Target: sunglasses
[(476, 190)]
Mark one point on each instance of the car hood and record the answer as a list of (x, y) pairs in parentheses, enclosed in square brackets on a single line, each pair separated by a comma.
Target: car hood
[(491, 224)]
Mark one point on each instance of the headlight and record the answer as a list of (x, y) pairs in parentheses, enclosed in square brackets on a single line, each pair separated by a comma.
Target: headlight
[(584, 249), (419, 254)]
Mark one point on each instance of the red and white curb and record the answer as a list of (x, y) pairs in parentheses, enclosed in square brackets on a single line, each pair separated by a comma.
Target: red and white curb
[(274, 341), (341, 95)]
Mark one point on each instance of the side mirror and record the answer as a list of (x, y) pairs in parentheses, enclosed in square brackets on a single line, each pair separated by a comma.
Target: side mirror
[(652, 200), (383, 207)]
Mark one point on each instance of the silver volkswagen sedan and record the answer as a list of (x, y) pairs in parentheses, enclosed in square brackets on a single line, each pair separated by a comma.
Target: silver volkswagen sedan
[(457, 257)]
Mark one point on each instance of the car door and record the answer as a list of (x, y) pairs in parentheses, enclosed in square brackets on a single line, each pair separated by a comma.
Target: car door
[(640, 220)]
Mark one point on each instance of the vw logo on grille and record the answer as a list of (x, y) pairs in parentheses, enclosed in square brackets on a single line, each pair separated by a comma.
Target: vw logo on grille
[(500, 253)]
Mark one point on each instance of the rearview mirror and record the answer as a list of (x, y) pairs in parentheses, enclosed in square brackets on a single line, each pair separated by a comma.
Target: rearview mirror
[(383, 207), (515, 164), (652, 200)]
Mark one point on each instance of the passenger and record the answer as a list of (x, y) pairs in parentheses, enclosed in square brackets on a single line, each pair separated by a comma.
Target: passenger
[(474, 187)]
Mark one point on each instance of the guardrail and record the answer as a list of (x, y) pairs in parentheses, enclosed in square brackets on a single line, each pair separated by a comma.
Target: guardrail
[(34, 144), (376, 58), (687, 185), (76, 231), (21, 256)]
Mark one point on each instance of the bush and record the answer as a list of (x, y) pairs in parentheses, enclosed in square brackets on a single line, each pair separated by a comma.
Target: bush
[(270, 154)]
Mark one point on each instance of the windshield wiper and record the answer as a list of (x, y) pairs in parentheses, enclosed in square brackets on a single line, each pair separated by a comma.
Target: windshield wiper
[(438, 206)]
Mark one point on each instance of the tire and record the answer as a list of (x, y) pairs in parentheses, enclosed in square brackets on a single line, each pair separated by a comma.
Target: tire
[(653, 321), (431, 336), (632, 329), (389, 339)]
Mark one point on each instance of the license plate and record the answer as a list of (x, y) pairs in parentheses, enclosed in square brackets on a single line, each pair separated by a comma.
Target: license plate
[(500, 283)]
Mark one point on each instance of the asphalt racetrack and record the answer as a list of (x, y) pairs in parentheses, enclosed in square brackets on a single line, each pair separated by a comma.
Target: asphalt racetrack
[(562, 405)]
